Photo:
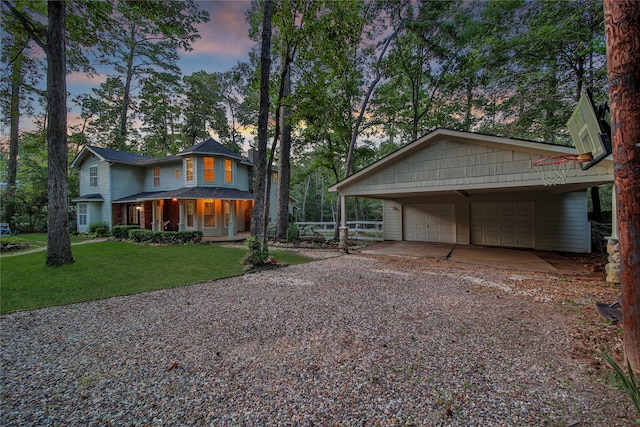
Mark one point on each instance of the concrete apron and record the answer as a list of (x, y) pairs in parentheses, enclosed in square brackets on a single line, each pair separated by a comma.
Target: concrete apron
[(512, 259)]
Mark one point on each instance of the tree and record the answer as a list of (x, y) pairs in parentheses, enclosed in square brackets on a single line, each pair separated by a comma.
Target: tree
[(53, 43), (260, 204), (140, 42), (622, 19)]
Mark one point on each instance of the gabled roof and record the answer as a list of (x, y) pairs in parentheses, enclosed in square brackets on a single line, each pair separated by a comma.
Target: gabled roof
[(210, 146), (109, 155), (544, 149)]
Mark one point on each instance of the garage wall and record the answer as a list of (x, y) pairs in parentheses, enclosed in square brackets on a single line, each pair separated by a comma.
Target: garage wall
[(392, 215), (562, 223)]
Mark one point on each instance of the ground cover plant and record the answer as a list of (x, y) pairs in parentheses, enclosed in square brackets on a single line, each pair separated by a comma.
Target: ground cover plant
[(107, 269)]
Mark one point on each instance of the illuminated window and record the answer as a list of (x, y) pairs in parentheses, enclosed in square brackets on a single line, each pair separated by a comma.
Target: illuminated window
[(177, 173), (156, 176), (226, 214), (189, 169), (93, 176), (209, 214), (275, 177), (228, 170), (208, 169)]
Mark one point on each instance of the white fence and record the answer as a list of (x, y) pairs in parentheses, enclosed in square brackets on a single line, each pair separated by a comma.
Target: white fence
[(358, 230)]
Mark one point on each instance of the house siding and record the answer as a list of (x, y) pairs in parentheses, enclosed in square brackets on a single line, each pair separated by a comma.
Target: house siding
[(168, 180), (452, 165), (562, 223), (126, 181)]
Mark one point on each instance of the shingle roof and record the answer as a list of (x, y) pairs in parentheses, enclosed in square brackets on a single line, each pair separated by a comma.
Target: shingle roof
[(120, 156), (221, 193), (95, 197), (210, 146)]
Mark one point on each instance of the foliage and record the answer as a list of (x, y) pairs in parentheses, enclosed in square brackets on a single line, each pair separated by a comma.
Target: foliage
[(122, 231), (293, 232), (99, 229), (107, 269), (628, 379), (257, 255), (165, 237)]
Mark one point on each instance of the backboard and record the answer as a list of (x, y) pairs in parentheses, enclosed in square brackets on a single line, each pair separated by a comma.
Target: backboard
[(588, 134)]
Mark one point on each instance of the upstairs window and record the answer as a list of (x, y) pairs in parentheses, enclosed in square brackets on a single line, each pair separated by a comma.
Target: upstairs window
[(93, 176), (208, 169), (189, 169), (275, 177), (156, 176), (228, 171)]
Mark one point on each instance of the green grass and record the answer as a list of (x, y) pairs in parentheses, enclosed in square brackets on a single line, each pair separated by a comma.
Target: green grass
[(107, 269), (39, 240)]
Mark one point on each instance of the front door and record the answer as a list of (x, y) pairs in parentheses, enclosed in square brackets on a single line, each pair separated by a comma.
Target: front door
[(190, 215)]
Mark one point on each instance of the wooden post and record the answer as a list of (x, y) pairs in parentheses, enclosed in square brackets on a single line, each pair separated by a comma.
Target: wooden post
[(622, 28), (344, 230)]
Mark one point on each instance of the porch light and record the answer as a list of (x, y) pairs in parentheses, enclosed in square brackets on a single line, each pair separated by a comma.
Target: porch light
[(175, 199)]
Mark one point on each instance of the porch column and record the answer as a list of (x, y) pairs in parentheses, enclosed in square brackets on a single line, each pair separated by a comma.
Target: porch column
[(232, 218), (613, 247), (153, 215), (344, 230)]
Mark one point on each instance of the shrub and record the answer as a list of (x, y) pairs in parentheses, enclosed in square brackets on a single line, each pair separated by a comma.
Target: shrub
[(99, 229), (122, 231), (256, 256), (293, 232), (628, 379), (165, 237)]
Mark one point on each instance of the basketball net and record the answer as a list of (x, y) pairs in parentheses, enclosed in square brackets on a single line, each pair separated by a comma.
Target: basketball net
[(553, 170)]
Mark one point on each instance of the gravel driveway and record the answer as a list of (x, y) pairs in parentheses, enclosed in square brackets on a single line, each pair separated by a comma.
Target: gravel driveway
[(348, 340)]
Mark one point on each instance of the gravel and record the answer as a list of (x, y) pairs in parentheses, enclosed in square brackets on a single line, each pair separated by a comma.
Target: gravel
[(344, 340)]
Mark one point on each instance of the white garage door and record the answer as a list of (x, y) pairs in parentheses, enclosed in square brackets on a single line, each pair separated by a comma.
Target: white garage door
[(434, 222), (507, 224)]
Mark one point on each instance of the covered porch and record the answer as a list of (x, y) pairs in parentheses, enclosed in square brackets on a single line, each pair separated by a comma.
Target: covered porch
[(218, 212)]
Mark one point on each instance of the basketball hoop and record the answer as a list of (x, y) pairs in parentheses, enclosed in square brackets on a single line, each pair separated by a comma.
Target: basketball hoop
[(553, 170)]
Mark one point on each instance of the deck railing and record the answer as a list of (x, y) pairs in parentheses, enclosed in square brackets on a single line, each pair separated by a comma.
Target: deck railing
[(358, 230)]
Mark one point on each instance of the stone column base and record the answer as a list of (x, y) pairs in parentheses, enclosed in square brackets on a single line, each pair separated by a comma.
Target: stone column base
[(613, 267)]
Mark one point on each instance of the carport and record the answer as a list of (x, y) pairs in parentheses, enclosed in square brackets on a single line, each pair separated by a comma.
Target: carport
[(464, 188)]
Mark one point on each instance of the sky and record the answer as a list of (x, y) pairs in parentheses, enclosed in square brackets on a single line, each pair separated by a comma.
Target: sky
[(224, 41)]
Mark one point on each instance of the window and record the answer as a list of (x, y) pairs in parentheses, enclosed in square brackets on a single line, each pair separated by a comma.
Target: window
[(226, 214), (82, 214), (228, 170), (209, 214), (208, 169), (275, 177), (177, 173), (93, 176), (156, 176), (189, 169)]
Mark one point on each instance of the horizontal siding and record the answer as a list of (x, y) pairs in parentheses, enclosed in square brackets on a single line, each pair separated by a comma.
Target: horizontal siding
[(168, 180), (127, 180), (562, 223), (103, 178)]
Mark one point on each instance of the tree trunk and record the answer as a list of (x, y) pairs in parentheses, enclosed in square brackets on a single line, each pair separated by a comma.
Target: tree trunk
[(284, 172), (12, 164), (622, 28), (126, 96), (257, 229), (58, 235)]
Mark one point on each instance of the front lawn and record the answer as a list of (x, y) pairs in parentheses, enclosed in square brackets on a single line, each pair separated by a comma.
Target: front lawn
[(107, 269), (38, 240)]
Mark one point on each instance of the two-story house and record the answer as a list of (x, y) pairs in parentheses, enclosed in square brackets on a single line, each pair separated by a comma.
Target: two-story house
[(206, 187)]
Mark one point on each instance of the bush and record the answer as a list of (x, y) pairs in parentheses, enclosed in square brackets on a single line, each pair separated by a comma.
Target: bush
[(122, 231), (293, 232), (165, 237), (99, 229), (256, 256)]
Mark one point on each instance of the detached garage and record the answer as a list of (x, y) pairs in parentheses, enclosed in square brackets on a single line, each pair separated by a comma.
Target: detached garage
[(472, 189)]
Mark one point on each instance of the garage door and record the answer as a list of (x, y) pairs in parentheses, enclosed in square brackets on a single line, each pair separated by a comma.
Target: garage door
[(507, 224), (434, 222)]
